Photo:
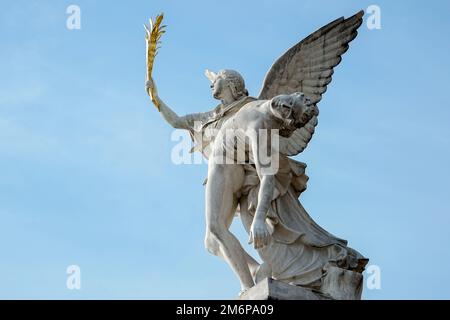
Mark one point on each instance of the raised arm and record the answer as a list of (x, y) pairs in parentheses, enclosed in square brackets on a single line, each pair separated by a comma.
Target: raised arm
[(167, 113), (179, 122)]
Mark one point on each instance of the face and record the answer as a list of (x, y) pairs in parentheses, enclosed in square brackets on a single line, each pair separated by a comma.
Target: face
[(302, 108), (296, 106), (218, 87)]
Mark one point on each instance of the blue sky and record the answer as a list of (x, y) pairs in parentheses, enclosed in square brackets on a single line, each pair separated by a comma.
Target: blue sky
[(85, 170)]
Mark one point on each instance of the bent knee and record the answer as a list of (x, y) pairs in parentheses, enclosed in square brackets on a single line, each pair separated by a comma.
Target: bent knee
[(211, 244)]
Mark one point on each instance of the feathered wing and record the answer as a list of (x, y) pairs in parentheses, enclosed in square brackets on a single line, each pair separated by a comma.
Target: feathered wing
[(308, 67)]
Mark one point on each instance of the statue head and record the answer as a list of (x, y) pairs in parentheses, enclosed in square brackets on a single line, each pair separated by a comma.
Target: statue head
[(227, 82), (295, 109)]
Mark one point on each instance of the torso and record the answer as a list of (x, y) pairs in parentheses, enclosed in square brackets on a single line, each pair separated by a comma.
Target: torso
[(232, 142)]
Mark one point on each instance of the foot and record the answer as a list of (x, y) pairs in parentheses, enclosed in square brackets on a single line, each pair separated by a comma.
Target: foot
[(242, 292)]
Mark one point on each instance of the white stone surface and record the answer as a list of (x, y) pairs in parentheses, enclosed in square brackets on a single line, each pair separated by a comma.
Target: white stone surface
[(270, 289)]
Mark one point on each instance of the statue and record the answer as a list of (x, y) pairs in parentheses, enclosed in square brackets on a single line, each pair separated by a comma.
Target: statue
[(263, 186)]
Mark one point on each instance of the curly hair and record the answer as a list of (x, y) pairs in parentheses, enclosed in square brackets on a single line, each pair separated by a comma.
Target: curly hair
[(235, 82)]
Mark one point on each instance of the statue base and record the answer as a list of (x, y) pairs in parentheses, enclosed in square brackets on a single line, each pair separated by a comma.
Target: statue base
[(270, 289), (338, 284)]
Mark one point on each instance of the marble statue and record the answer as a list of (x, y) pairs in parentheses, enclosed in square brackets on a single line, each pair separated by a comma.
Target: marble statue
[(249, 143)]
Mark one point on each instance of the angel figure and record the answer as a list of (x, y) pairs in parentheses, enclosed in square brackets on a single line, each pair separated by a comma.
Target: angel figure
[(294, 249)]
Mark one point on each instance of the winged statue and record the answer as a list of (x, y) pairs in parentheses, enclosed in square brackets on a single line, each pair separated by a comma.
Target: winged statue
[(263, 183)]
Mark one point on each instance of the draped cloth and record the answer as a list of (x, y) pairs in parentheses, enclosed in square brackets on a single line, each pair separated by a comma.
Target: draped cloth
[(300, 250), (204, 126)]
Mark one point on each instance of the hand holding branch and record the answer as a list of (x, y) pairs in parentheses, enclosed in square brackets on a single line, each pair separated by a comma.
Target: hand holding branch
[(153, 35)]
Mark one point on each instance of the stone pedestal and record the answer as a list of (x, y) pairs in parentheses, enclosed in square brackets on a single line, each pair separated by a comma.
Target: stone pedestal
[(270, 289), (342, 284), (337, 284)]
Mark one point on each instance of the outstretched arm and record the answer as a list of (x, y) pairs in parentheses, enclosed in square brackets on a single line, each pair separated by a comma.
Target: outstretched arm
[(168, 114), (179, 122)]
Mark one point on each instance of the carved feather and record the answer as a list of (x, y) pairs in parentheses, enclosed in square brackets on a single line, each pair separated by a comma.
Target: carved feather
[(308, 67)]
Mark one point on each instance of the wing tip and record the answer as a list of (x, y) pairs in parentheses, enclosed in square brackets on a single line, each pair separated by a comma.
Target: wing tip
[(354, 22), (357, 16)]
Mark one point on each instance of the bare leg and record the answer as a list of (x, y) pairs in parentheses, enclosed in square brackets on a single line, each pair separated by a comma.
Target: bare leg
[(224, 181), (213, 246)]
